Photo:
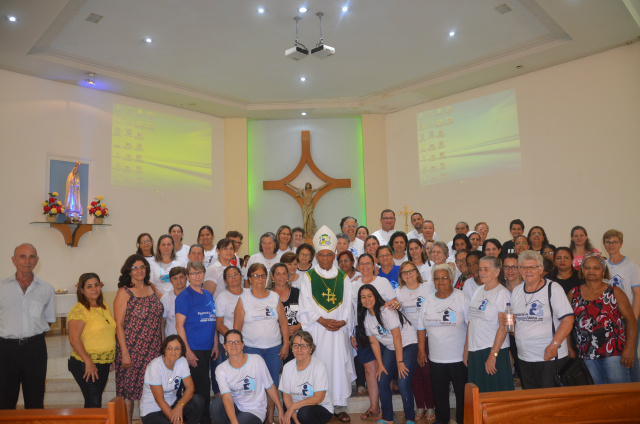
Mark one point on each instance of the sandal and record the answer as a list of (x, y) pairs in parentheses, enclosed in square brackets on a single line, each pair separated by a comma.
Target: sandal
[(343, 417), (431, 415), (369, 415), (362, 391), (419, 414)]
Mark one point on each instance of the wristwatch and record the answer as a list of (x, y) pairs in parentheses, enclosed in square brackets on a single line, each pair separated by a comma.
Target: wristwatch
[(494, 353)]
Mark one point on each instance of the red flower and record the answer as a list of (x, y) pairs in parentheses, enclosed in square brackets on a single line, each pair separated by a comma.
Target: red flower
[(92, 210), (52, 200), (46, 208), (94, 203)]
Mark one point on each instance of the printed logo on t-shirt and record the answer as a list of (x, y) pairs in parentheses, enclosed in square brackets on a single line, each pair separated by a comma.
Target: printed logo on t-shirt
[(449, 315), (381, 330), (175, 382), (209, 314), (415, 305), (269, 312), (247, 386), (617, 280), (306, 389), (536, 308), (483, 305)]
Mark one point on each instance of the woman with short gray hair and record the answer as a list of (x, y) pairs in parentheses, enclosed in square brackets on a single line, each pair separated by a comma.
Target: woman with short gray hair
[(486, 351)]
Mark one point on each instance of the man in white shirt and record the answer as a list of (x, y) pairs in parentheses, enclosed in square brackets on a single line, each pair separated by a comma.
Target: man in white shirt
[(27, 308), (416, 221), (388, 222)]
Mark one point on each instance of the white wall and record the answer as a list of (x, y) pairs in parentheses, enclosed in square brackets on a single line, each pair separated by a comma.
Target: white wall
[(39, 118), (580, 139)]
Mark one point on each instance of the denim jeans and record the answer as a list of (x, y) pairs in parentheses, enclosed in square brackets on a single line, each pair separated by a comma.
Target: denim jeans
[(271, 357), (91, 390), (607, 370), (409, 357)]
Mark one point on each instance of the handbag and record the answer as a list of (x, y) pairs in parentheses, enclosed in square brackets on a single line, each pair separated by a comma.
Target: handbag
[(575, 371)]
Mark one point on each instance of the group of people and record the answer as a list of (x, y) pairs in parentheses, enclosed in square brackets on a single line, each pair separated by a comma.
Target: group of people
[(390, 310)]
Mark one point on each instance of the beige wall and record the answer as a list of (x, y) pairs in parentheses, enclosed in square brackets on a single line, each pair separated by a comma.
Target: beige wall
[(236, 206), (374, 152), (39, 118), (580, 139)]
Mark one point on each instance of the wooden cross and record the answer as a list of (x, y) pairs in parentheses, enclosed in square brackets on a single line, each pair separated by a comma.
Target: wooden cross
[(330, 296), (306, 159), (407, 213)]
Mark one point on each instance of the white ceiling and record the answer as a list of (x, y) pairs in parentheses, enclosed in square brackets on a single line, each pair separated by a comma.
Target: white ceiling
[(222, 58)]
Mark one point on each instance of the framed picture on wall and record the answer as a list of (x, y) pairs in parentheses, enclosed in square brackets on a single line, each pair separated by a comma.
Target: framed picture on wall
[(59, 170)]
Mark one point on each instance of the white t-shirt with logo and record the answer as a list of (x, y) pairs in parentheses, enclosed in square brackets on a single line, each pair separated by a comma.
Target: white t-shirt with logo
[(390, 320), (168, 300), (483, 316), (304, 384), (356, 247), (226, 304), (470, 287), (382, 285), (261, 328), (445, 321), (625, 275), (159, 274), (246, 384), (412, 301), (157, 374), (533, 320)]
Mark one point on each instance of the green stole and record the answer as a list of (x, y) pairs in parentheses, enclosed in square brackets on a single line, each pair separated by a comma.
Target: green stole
[(327, 292)]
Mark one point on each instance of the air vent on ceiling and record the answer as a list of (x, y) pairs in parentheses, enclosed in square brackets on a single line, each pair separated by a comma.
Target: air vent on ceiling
[(94, 18), (502, 9)]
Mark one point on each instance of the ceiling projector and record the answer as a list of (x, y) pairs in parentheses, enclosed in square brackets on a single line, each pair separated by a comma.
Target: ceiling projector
[(322, 51), (296, 53)]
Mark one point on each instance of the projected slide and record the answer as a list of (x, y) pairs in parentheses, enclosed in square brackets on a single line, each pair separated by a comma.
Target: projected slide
[(159, 151), (469, 139)]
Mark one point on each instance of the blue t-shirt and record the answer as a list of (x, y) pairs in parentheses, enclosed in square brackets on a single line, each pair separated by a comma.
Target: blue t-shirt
[(200, 310), (392, 276)]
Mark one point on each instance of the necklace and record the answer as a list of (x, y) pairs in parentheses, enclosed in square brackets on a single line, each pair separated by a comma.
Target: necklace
[(533, 293), (99, 311)]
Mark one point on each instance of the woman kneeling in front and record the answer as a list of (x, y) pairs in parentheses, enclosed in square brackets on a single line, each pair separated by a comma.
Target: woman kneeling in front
[(305, 384), (243, 379), (159, 402)]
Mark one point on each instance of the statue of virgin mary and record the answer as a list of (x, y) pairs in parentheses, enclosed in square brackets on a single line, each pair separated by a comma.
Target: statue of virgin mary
[(72, 207)]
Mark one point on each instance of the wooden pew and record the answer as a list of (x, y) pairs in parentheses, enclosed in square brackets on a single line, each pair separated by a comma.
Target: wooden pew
[(114, 413), (607, 403)]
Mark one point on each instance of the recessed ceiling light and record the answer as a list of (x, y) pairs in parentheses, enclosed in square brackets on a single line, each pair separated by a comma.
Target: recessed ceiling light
[(302, 9), (304, 114), (261, 10), (303, 79), (12, 18), (345, 8), (148, 40), (452, 33)]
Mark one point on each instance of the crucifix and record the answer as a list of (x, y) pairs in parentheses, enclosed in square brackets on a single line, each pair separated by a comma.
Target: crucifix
[(307, 197), (330, 296), (407, 213)]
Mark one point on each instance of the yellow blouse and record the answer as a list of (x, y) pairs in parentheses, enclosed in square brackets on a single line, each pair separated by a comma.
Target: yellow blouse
[(98, 335)]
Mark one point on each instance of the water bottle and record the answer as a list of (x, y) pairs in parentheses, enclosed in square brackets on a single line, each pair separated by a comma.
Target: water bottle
[(510, 319)]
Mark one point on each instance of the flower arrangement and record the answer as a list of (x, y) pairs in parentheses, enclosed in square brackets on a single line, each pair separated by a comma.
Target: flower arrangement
[(98, 209), (52, 206)]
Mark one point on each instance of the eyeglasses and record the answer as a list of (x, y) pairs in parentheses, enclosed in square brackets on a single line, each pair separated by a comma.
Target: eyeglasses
[(234, 342), (234, 275), (349, 226), (611, 242), (300, 346), (510, 267), (196, 273), (136, 268), (461, 261), (529, 268), (407, 272), (384, 255), (145, 242), (176, 348), (259, 276), (305, 254)]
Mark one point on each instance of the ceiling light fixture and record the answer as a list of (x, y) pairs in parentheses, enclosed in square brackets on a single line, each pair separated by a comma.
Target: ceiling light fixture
[(11, 18), (303, 79), (345, 8), (148, 40), (302, 10), (261, 10), (304, 114), (321, 50), (452, 33), (90, 79), (298, 51)]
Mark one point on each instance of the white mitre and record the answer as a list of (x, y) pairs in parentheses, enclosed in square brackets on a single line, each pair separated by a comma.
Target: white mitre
[(325, 240)]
